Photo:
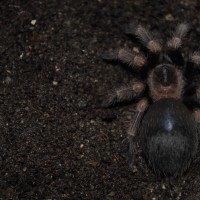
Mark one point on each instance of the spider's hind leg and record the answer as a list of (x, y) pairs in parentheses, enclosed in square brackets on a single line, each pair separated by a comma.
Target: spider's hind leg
[(195, 60), (140, 109), (197, 109), (193, 66)]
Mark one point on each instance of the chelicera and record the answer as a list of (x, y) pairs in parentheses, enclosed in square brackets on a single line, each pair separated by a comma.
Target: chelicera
[(168, 93)]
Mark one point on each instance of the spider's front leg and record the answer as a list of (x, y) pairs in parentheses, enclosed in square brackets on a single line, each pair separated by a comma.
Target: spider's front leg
[(146, 38), (140, 109), (174, 44), (178, 36), (124, 93), (133, 59)]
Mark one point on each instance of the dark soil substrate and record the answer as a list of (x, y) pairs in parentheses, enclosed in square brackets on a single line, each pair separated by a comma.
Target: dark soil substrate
[(55, 140)]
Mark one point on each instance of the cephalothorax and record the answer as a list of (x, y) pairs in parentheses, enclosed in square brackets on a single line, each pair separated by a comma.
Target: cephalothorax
[(168, 111)]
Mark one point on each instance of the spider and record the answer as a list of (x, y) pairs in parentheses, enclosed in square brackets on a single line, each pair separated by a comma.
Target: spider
[(168, 94)]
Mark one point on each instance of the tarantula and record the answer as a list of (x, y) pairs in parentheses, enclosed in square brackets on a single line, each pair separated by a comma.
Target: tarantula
[(168, 111)]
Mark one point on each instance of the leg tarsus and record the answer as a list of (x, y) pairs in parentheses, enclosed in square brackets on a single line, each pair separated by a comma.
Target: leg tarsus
[(110, 56), (129, 30), (131, 152)]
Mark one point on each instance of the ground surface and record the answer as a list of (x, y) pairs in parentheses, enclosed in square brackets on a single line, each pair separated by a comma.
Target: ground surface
[(55, 142)]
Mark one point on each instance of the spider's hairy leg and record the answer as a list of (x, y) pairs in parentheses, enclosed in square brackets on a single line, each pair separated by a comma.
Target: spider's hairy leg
[(197, 110), (178, 36), (195, 58), (148, 40), (193, 66), (135, 60), (140, 109), (197, 115), (123, 93)]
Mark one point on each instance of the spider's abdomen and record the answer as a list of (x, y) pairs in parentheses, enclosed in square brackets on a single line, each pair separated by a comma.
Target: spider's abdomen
[(169, 137)]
